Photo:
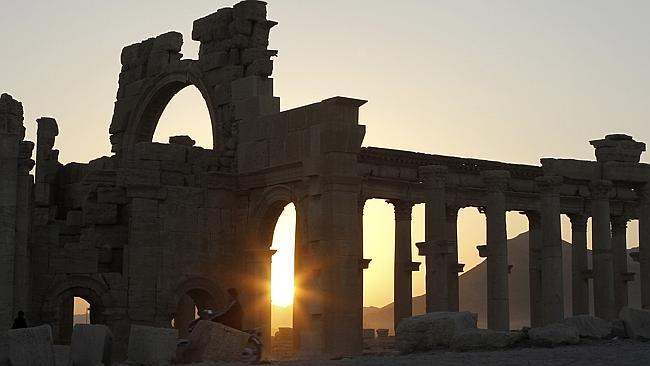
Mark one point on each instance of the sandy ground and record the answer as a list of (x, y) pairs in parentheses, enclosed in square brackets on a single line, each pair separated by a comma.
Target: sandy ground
[(588, 353)]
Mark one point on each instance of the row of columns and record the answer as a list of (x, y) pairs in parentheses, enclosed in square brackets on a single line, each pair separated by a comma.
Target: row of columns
[(440, 249)]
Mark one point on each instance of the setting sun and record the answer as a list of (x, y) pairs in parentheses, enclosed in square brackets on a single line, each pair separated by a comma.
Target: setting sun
[(282, 265)]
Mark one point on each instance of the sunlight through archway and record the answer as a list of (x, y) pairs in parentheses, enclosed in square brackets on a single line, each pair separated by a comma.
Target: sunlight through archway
[(282, 268), (81, 311)]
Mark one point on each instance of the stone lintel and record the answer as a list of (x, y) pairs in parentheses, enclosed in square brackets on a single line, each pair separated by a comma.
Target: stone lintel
[(496, 180), (600, 189), (549, 184), (433, 175)]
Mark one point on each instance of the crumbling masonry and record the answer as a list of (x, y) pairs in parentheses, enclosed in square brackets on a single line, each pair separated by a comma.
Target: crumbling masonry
[(154, 229)]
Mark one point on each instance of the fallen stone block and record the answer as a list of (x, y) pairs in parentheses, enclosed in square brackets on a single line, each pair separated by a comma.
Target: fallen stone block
[(31, 346), (590, 326), (62, 356), (210, 341), (637, 322), (554, 335), (90, 345), (484, 339), (428, 331), (618, 329), (151, 346)]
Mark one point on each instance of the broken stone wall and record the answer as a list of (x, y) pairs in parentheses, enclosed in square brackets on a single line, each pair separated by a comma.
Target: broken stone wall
[(15, 200)]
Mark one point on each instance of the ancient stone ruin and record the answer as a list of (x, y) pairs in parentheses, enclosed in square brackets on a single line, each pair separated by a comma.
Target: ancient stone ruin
[(149, 232)]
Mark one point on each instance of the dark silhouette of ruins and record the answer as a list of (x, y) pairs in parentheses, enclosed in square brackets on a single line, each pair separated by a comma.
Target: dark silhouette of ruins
[(153, 230)]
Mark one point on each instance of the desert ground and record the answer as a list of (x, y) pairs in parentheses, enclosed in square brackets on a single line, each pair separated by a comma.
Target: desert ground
[(588, 353)]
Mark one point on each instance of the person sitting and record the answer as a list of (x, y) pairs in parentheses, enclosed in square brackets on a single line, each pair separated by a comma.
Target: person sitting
[(20, 321), (233, 316)]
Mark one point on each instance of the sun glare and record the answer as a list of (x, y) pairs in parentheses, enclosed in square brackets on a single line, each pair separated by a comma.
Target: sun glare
[(282, 265)]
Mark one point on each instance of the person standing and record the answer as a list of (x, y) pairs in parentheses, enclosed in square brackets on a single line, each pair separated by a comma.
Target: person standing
[(20, 321)]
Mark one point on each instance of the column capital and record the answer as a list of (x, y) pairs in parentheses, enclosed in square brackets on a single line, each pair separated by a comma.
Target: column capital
[(452, 212), (600, 189), (549, 184), (496, 180), (619, 223), (403, 208), (643, 192), (578, 221), (534, 218), (433, 175)]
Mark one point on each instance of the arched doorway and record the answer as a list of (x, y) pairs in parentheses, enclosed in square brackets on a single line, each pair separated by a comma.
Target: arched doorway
[(81, 311), (282, 283), (189, 305), (280, 232), (76, 305)]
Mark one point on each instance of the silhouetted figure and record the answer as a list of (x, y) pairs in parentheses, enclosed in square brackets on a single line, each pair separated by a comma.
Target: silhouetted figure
[(233, 316), (20, 321)]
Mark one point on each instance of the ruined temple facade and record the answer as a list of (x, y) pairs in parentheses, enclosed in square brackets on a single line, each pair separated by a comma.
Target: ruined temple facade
[(149, 232)]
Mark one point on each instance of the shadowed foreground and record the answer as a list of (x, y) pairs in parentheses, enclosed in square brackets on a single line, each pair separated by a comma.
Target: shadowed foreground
[(588, 353)]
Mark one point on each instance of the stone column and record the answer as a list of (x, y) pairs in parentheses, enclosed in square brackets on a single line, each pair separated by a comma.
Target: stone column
[(644, 244), (552, 283), (403, 296), (452, 259), (579, 265), (22, 278), (534, 267), (619, 261), (603, 267), (11, 135), (496, 182), (256, 296), (435, 246)]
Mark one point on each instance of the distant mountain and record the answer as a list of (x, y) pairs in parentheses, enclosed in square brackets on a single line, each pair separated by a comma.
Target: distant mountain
[(473, 287)]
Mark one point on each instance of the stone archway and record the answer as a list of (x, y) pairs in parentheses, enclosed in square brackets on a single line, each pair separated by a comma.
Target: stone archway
[(193, 295), (58, 308), (155, 98), (266, 214)]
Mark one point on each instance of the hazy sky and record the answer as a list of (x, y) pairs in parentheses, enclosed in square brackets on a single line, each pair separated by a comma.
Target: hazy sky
[(505, 80)]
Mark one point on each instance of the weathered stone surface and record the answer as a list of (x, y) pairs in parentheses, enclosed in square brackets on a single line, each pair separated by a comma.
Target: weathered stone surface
[(91, 345), (590, 326), (428, 331), (100, 213), (637, 322), (4, 349), (151, 346), (210, 341), (484, 339), (62, 356), (368, 334), (31, 346), (554, 335)]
